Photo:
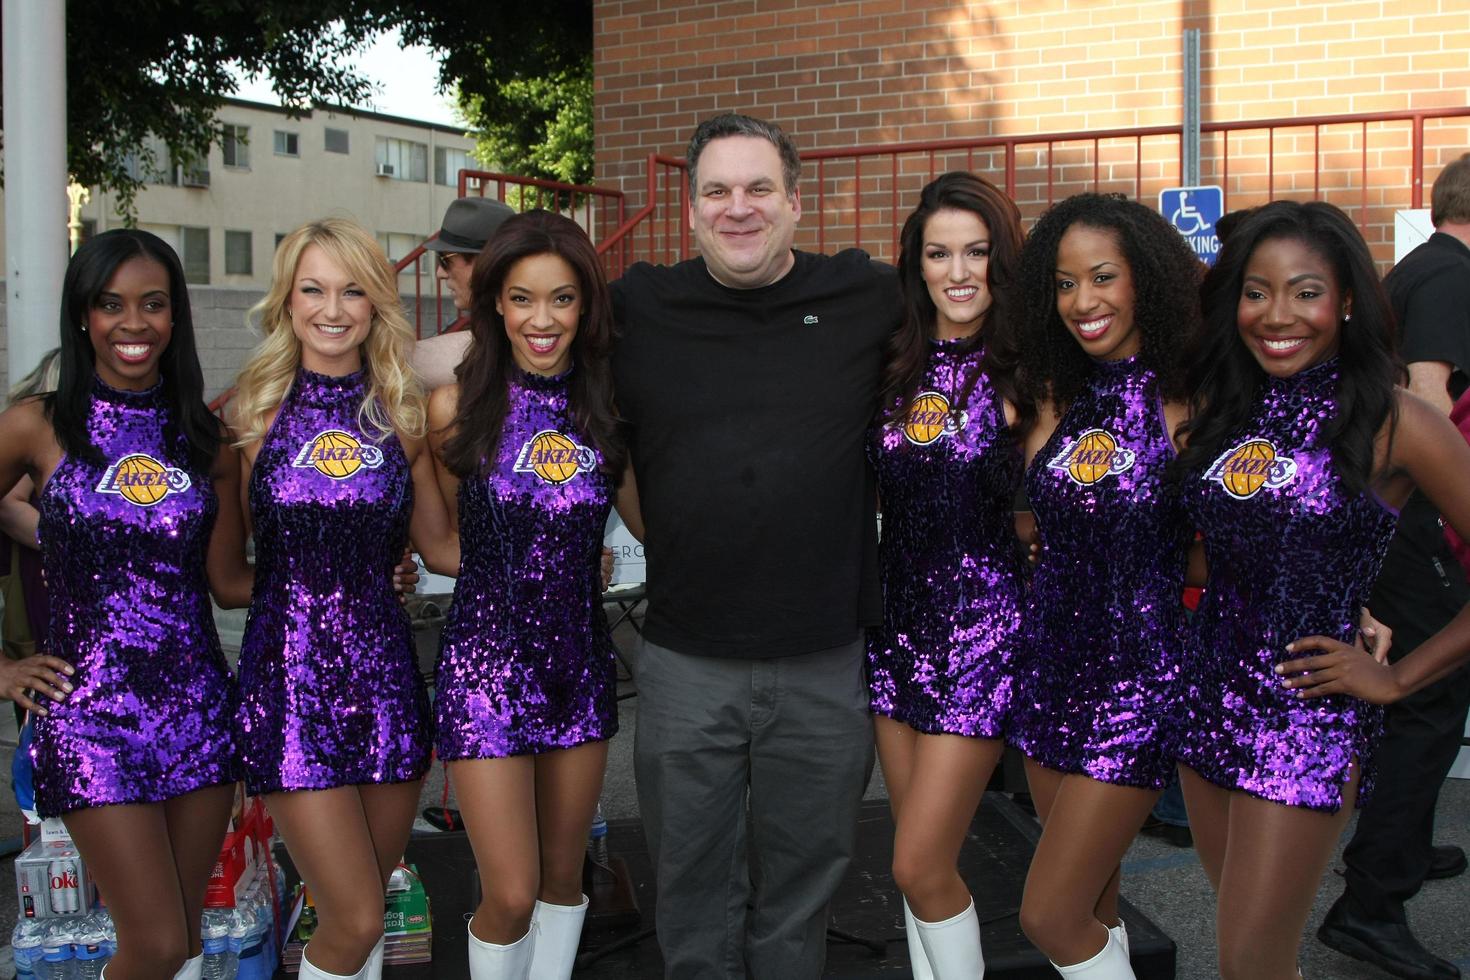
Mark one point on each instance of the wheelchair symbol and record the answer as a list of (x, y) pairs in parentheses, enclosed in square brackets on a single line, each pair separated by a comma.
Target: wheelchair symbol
[(1184, 212)]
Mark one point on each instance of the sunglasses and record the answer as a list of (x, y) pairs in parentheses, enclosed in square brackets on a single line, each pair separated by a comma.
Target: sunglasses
[(442, 259)]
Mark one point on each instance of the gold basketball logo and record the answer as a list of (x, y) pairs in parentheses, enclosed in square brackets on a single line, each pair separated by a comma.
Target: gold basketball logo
[(930, 417), (1092, 456), (140, 479), (554, 457), (337, 454), (1244, 469)]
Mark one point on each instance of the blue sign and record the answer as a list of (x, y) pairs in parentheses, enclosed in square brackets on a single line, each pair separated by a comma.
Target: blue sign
[(1194, 211)]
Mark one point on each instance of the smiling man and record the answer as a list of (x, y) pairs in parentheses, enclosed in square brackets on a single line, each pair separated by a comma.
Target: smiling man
[(748, 377)]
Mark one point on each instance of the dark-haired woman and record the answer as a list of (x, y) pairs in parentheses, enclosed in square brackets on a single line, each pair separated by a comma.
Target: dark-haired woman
[(528, 444), (1110, 289), (1300, 449), (949, 465), (139, 515)]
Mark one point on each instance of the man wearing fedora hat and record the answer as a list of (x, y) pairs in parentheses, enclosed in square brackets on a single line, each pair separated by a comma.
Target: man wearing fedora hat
[(469, 223)]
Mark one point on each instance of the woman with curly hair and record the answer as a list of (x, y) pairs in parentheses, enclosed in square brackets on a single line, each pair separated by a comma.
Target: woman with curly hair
[(947, 453), (1111, 289), (334, 720), (528, 444), (1300, 450), (138, 522)]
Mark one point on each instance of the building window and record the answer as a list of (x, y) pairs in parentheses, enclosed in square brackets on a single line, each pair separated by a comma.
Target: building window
[(238, 260), (195, 254), (397, 244), (280, 237), (235, 143), (337, 141), (402, 159), (287, 144), (448, 162)]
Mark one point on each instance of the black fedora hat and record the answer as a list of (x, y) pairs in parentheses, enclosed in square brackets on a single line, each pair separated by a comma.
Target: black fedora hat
[(469, 223)]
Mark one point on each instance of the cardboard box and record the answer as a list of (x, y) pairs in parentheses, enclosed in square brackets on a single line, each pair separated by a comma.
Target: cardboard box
[(51, 880)]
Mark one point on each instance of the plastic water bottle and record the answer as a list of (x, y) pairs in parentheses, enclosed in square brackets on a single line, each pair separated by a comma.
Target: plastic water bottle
[(216, 936), (93, 948), (58, 960), (27, 941), (240, 922), (597, 838), (249, 927)]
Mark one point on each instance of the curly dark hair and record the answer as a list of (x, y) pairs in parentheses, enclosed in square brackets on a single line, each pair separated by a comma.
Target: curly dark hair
[(1165, 275), (486, 373), (908, 350), (1223, 376)]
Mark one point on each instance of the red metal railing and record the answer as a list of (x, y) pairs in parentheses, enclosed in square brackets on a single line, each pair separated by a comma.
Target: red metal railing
[(862, 194)]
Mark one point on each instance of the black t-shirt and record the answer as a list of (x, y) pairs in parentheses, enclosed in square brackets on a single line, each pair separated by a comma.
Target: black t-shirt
[(748, 410), (1430, 294)]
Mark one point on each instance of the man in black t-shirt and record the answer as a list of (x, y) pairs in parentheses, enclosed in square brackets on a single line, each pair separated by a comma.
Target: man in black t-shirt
[(748, 377), (1420, 588)]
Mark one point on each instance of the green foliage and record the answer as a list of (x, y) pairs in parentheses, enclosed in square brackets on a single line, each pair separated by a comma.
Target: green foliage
[(539, 127), (161, 68)]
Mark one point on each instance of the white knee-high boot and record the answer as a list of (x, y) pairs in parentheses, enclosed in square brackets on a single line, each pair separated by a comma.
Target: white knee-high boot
[(192, 969), (1110, 963), (1120, 933), (953, 946), (918, 959), (558, 932), (491, 961), (312, 972), (375, 962)]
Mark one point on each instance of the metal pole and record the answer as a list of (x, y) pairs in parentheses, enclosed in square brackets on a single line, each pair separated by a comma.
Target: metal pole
[(35, 177), (1190, 177)]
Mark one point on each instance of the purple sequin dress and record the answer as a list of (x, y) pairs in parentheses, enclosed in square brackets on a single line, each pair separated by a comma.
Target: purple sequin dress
[(123, 545), (1291, 553), (952, 583), (1098, 677), (329, 684), (527, 663)]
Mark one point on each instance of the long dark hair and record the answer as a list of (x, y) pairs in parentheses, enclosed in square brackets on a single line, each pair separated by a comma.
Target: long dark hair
[(1224, 376), (485, 374), (908, 350), (87, 275), (1165, 277)]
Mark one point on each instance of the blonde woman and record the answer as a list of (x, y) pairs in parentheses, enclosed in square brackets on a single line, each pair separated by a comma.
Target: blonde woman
[(334, 720)]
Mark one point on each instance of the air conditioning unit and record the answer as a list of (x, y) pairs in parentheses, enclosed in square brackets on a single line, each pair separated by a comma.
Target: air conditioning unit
[(196, 178), (385, 170)]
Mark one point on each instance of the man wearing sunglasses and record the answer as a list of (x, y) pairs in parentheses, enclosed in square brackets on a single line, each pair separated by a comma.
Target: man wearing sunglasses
[(469, 223)]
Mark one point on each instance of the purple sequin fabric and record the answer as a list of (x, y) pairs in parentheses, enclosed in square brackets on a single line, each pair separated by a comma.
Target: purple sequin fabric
[(947, 480), (1291, 553), (527, 662), (123, 545), (329, 684), (1099, 673)]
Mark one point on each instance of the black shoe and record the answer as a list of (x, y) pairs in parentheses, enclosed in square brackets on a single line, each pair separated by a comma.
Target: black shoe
[(1387, 945), (1445, 862), (1169, 833)]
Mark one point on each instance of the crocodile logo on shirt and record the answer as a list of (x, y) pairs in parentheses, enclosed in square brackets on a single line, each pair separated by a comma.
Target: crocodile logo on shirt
[(142, 480), (337, 454), (1093, 455), (1245, 468), (555, 457)]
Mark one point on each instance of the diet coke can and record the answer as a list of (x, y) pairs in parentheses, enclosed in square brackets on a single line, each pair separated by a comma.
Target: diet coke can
[(65, 883)]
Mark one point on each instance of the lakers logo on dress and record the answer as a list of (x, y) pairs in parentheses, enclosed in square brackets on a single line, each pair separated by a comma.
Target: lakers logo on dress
[(142, 480), (337, 454), (554, 457), (1092, 456), (1244, 469), (930, 418)]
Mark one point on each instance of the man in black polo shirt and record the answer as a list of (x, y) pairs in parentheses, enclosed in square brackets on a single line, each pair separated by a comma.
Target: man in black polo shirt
[(1420, 588), (749, 377)]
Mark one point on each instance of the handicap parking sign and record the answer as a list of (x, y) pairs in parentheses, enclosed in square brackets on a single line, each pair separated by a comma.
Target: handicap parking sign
[(1194, 211)]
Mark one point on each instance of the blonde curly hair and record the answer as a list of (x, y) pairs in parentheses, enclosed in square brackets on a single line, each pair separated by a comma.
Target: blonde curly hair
[(395, 398)]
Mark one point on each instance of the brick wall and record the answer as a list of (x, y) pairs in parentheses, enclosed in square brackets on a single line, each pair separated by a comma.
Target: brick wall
[(882, 71)]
